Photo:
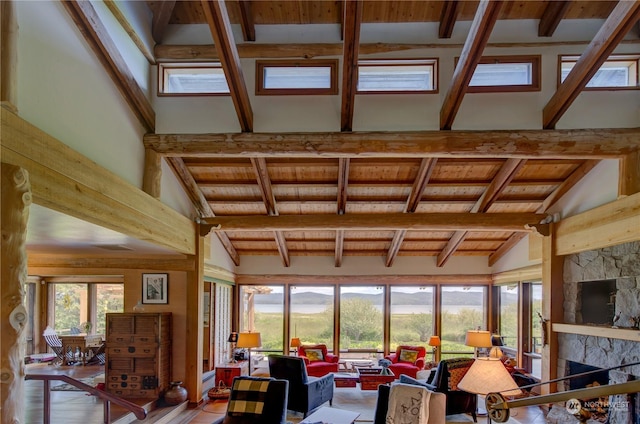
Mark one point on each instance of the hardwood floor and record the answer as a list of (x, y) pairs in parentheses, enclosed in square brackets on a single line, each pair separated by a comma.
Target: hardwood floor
[(71, 407)]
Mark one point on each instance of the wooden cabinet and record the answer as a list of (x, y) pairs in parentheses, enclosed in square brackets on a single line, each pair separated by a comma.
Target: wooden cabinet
[(226, 372), (138, 354)]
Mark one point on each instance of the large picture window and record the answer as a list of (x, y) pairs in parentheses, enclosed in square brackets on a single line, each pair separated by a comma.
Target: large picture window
[(411, 314), (312, 311), (361, 318), (262, 311), (463, 308)]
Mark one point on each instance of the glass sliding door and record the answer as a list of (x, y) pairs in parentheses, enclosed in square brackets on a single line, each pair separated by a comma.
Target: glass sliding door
[(411, 316), (361, 320), (312, 312), (262, 311), (463, 308), (509, 315)]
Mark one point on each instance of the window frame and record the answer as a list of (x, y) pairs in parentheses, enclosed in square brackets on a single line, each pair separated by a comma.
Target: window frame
[(332, 64), (536, 71), (189, 65), (632, 57), (400, 62)]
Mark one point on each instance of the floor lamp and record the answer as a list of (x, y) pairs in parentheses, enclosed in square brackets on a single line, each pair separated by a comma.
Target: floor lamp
[(295, 343), (248, 341), (478, 339)]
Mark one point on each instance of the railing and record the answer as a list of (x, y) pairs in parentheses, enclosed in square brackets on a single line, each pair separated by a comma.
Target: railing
[(138, 411)]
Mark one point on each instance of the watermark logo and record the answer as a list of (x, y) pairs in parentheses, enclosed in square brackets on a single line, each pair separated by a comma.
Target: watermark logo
[(573, 406)]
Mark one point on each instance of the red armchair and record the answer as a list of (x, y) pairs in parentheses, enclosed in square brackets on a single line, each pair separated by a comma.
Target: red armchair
[(317, 360), (407, 360)]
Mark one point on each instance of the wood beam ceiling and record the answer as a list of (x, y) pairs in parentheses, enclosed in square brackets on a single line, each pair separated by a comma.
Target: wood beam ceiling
[(98, 38), (516, 222), (481, 27), (246, 21), (218, 20), (200, 203), (448, 18), (503, 177), (343, 182), (122, 20), (351, 34), (269, 199), (417, 190), (623, 17), (611, 143), (551, 17), (161, 17)]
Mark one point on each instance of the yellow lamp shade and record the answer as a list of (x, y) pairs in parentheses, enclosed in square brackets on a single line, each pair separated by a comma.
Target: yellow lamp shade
[(295, 342), (478, 338), (249, 340)]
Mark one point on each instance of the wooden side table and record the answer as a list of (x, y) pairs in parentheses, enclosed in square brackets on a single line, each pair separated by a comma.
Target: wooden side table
[(226, 372)]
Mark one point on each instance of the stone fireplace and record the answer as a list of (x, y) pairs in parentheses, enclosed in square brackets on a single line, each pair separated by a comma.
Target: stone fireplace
[(619, 267)]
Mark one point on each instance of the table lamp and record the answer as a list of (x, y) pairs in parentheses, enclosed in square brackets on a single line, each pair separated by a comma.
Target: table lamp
[(295, 343), (434, 342), (488, 375), (233, 339), (248, 341), (478, 339)]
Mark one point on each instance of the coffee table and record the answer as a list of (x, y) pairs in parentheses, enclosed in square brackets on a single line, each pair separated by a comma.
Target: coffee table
[(345, 379), (327, 414)]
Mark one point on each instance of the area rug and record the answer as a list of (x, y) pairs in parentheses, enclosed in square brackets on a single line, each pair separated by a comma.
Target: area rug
[(66, 387)]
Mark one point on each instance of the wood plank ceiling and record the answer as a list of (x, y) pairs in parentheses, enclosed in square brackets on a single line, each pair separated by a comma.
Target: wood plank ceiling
[(348, 181)]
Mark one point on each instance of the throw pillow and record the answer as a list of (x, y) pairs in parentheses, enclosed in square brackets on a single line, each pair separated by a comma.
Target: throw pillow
[(314, 354), (407, 355), (455, 375), (247, 397)]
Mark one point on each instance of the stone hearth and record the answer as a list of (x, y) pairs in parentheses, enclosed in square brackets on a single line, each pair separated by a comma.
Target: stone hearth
[(621, 263)]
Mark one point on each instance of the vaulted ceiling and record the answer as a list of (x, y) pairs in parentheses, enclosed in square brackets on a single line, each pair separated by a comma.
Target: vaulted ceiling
[(435, 193)]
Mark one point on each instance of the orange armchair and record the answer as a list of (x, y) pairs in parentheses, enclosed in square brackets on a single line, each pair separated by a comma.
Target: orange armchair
[(407, 360), (318, 361)]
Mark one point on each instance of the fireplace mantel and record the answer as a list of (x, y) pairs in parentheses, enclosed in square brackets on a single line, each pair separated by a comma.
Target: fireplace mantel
[(598, 331)]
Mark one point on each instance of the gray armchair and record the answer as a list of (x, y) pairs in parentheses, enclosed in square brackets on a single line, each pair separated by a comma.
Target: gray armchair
[(305, 393)]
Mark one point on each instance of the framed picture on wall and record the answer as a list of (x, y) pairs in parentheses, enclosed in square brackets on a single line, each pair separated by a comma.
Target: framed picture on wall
[(155, 288)]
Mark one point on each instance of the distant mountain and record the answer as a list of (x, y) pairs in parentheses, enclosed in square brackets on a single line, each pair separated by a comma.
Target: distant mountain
[(421, 298)]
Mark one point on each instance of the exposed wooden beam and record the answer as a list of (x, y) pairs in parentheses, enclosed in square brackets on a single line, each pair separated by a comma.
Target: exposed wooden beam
[(207, 52), (269, 199), (392, 221), (611, 143), (200, 202), (246, 21), (419, 184), (92, 263), (629, 181), (343, 182), (281, 244), (339, 248), (124, 23), (505, 247), (161, 15), (218, 19), (264, 183), (98, 38), (152, 176), (501, 180), (551, 17), (549, 201), (448, 18), (481, 27), (623, 17), (352, 21), (66, 181)]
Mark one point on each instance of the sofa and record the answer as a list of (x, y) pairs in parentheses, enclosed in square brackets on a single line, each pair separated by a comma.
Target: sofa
[(407, 360), (317, 359)]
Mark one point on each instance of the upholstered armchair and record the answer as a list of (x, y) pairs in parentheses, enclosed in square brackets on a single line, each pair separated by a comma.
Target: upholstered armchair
[(256, 400), (407, 360), (305, 393), (448, 374), (318, 361)]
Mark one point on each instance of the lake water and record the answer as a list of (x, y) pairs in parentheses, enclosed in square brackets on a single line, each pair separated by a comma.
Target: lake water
[(396, 309)]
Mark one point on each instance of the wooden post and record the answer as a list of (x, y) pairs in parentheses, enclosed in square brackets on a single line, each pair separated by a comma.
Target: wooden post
[(8, 54), (552, 308), (16, 199), (195, 327)]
